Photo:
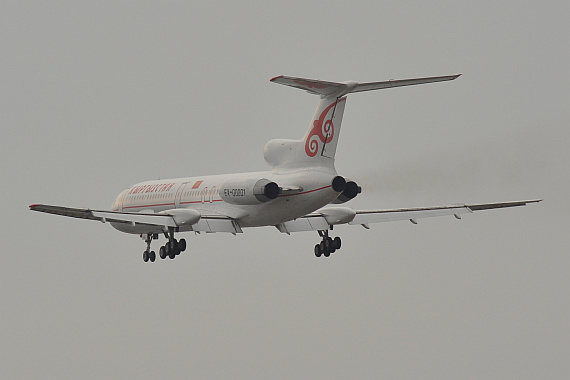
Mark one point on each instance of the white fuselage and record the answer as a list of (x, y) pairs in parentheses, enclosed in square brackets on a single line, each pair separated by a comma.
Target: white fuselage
[(204, 194)]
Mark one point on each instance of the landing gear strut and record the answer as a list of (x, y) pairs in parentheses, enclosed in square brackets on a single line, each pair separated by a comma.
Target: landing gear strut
[(171, 249), (328, 245), (148, 254)]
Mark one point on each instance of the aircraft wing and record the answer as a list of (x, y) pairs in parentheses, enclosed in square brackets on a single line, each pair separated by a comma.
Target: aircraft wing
[(174, 218), (324, 218)]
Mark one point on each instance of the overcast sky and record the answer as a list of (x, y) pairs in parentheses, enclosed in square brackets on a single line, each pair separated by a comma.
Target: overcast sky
[(96, 96)]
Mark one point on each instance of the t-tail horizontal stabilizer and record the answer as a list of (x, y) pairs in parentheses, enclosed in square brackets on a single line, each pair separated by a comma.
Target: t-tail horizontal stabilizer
[(326, 89)]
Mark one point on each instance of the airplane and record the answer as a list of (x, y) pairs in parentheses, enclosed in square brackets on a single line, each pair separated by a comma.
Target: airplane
[(301, 192)]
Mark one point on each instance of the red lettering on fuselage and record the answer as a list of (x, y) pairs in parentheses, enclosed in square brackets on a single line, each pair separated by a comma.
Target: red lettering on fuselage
[(151, 188)]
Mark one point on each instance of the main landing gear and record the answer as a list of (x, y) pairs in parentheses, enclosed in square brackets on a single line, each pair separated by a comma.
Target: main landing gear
[(328, 245), (171, 249)]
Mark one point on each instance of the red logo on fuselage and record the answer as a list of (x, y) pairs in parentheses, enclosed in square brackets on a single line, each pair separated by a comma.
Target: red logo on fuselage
[(322, 130)]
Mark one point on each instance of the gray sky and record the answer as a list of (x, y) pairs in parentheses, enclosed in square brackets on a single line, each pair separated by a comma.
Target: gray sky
[(96, 96)]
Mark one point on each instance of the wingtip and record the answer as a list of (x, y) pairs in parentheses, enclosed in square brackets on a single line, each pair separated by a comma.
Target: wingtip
[(275, 78)]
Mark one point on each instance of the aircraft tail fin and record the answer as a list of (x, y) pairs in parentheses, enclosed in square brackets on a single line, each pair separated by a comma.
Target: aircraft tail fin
[(318, 147)]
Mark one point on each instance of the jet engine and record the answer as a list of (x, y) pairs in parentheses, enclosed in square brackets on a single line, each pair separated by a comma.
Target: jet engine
[(351, 191), (249, 191)]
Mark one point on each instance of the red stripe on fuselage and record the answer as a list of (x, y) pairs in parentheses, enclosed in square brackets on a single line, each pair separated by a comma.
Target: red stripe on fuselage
[(218, 200)]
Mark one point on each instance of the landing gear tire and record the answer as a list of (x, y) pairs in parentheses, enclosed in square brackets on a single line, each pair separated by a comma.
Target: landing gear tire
[(152, 256), (329, 245), (162, 253), (182, 245), (174, 246), (323, 249), (336, 242), (145, 256), (318, 252)]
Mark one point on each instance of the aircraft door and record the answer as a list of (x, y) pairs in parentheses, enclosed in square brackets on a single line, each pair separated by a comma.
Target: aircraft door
[(118, 203), (179, 193)]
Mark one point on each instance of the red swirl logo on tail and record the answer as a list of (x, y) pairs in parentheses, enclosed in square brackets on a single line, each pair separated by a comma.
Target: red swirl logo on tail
[(322, 131)]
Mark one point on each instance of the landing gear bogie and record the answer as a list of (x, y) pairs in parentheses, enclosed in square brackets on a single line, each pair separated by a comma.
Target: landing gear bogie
[(328, 245)]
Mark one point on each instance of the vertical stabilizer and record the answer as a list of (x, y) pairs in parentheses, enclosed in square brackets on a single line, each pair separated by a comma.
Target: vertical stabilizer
[(321, 138), (318, 147)]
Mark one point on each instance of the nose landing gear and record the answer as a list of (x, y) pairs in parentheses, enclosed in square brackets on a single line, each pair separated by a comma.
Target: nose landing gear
[(328, 245), (148, 254)]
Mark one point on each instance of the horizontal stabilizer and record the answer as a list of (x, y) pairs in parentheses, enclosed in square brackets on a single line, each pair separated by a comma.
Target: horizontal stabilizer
[(323, 88)]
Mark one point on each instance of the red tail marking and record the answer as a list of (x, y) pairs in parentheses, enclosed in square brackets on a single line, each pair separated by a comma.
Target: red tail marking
[(322, 130)]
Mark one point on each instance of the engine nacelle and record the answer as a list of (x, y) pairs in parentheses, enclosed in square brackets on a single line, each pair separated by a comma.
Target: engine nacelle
[(248, 191), (350, 192)]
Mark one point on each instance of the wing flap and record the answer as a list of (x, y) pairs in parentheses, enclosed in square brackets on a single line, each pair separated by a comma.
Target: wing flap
[(217, 224), (311, 222), (148, 219)]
